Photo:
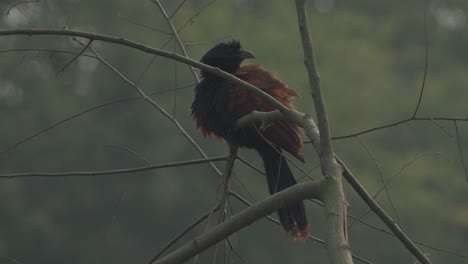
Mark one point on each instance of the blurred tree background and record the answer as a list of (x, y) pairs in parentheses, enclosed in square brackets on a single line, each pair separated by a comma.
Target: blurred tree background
[(370, 56)]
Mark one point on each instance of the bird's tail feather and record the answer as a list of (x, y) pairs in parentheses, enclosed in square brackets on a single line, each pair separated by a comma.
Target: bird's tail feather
[(279, 176)]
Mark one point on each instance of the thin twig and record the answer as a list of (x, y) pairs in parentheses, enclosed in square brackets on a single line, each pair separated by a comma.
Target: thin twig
[(192, 19), (17, 144), (110, 172), (441, 128), (143, 25), (462, 160), (62, 69), (153, 59), (131, 152), (176, 36), (250, 165), (174, 107), (177, 9), (425, 61), (398, 123), (382, 180), (393, 177), (417, 242), (47, 50), (389, 222), (181, 234), (226, 187), (405, 166), (206, 42), (235, 251), (7, 12)]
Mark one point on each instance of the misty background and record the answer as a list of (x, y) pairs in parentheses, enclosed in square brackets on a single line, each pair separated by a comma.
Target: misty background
[(371, 59)]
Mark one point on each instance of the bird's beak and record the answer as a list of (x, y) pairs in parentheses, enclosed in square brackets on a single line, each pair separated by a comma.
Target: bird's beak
[(247, 55)]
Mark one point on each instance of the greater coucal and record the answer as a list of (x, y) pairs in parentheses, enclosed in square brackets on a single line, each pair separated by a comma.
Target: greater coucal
[(219, 103)]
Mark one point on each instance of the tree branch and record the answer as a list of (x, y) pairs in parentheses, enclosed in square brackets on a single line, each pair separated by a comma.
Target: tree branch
[(333, 198), (176, 36), (265, 207), (277, 222), (389, 222), (181, 234), (226, 187), (110, 172), (399, 123)]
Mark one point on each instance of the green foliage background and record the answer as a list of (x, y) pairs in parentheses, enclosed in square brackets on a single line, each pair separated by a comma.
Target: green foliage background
[(370, 56)]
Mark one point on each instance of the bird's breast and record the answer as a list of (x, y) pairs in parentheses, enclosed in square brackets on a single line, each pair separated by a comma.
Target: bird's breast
[(209, 108)]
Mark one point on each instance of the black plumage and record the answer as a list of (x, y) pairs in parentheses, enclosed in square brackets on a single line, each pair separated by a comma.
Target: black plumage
[(218, 103)]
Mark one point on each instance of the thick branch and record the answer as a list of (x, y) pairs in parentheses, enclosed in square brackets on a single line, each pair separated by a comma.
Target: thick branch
[(265, 207), (314, 80), (334, 199)]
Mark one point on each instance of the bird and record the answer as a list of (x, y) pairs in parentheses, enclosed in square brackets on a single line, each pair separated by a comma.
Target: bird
[(219, 103)]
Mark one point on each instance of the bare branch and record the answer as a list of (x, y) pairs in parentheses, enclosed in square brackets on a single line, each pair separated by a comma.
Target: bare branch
[(191, 20), (131, 152), (176, 36), (389, 222), (181, 234), (334, 198), (417, 242), (270, 204), (207, 42), (462, 160), (177, 8), (46, 50), (406, 165), (110, 172), (143, 25), (226, 187), (384, 184), (17, 144), (399, 123), (7, 12), (74, 58), (425, 62), (277, 222)]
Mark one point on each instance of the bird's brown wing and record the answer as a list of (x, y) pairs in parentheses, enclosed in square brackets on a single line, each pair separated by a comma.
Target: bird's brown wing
[(283, 134)]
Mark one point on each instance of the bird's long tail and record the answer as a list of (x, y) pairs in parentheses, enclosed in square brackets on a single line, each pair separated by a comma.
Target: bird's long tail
[(279, 176)]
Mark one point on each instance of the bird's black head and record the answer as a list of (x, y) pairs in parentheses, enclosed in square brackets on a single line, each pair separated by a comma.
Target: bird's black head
[(227, 56)]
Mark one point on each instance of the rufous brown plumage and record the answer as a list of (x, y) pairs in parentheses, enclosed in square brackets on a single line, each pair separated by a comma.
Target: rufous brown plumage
[(218, 104)]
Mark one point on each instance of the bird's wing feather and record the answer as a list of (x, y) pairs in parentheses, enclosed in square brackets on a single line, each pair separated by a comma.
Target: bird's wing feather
[(241, 102)]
